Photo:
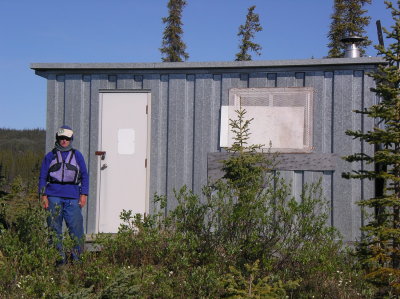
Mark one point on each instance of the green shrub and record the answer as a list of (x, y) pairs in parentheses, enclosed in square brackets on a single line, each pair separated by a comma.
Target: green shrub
[(246, 236), (27, 259), (254, 286)]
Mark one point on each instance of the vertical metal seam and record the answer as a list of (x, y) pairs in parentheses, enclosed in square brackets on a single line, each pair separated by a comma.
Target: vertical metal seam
[(186, 131), (332, 200), (333, 83), (219, 114), (362, 144), (65, 102), (167, 140), (333, 112), (89, 145), (194, 128)]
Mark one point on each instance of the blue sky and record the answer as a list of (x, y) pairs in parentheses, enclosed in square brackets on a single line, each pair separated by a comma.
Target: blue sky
[(131, 31)]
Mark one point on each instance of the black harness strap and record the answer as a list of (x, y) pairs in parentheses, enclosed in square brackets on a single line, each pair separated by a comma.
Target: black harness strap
[(55, 155), (72, 155)]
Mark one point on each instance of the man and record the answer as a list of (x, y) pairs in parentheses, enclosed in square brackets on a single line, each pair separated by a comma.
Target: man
[(63, 187)]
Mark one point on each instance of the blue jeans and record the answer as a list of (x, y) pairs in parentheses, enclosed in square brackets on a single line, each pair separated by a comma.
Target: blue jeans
[(69, 210)]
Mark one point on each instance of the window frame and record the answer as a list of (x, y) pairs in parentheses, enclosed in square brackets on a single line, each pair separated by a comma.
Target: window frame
[(270, 96)]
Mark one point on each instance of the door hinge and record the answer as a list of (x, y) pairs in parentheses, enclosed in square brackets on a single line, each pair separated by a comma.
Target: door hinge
[(145, 163), (147, 109)]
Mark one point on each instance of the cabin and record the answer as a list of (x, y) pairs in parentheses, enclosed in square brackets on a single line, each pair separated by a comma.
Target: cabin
[(147, 128)]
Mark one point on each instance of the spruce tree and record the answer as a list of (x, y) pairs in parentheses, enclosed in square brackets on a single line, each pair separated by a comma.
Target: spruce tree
[(379, 249), (173, 48), (247, 33), (347, 20)]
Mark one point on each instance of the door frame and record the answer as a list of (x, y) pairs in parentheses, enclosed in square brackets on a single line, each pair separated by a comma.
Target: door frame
[(148, 147)]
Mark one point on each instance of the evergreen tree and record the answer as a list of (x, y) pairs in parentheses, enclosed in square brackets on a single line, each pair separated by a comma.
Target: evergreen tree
[(379, 249), (247, 33), (173, 48), (247, 167), (347, 20)]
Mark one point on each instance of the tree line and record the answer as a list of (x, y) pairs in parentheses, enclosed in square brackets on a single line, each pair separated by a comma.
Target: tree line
[(21, 153), (347, 19)]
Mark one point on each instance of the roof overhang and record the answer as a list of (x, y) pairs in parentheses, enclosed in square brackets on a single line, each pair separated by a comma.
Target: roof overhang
[(207, 65)]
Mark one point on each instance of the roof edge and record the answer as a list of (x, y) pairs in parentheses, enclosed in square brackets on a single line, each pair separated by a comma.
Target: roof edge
[(217, 64)]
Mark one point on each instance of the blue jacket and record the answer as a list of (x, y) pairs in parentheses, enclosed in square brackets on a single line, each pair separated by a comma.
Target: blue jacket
[(63, 190)]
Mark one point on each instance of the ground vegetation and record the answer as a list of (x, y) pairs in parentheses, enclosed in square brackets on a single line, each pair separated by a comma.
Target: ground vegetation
[(246, 236)]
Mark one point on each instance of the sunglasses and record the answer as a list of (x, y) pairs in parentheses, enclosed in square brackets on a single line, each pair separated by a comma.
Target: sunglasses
[(64, 138)]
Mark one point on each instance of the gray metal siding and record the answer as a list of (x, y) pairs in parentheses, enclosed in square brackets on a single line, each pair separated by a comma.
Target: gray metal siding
[(159, 128), (206, 124), (367, 123), (179, 134), (185, 121)]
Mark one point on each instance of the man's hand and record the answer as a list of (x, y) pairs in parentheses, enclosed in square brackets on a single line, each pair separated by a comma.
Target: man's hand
[(82, 200), (45, 202)]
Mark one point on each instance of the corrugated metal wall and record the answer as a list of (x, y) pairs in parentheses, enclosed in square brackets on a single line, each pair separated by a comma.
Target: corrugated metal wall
[(185, 121)]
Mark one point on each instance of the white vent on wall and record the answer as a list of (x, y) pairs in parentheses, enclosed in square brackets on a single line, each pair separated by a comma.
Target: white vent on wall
[(282, 117)]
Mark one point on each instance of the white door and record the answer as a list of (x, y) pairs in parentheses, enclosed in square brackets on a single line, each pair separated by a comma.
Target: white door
[(123, 160)]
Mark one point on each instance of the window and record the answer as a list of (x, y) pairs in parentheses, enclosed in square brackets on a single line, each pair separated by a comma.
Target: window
[(282, 117)]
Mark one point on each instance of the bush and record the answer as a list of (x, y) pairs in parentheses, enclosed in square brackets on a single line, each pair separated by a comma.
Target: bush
[(245, 237)]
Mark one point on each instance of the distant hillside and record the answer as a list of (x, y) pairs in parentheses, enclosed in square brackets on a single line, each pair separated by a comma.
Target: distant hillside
[(22, 140), (21, 153)]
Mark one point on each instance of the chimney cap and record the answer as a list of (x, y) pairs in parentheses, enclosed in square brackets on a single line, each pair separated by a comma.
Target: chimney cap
[(352, 39), (352, 42)]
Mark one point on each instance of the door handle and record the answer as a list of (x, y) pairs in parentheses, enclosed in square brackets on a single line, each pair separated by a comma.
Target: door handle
[(104, 166), (101, 153)]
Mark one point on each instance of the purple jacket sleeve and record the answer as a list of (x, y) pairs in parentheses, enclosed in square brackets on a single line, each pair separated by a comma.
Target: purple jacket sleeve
[(84, 173)]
